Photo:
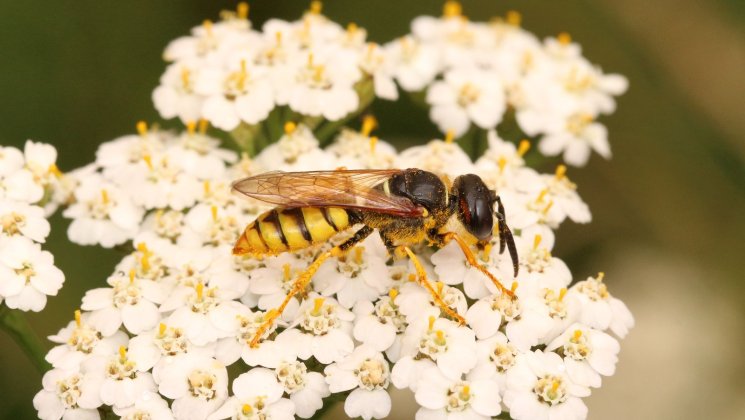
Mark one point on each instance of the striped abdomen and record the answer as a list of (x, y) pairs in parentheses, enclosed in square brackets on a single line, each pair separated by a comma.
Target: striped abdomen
[(280, 230)]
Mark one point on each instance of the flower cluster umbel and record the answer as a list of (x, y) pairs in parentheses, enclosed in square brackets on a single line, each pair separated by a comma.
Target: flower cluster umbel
[(168, 336), (29, 185)]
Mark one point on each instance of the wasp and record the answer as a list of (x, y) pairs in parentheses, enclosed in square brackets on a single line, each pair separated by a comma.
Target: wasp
[(405, 206)]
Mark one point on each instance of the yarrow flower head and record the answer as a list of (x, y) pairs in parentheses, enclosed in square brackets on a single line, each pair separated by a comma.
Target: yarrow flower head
[(30, 185), (188, 326)]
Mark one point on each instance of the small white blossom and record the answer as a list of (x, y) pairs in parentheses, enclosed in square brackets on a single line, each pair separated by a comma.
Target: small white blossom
[(366, 372), (198, 385), (538, 387), (322, 329), (466, 96), (28, 274), (588, 353), (68, 394), (258, 395), (446, 398)]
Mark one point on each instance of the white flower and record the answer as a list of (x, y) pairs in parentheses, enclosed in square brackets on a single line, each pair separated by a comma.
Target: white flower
[(79, 341), (273, 280), (322, 329), (237, 93), (198, 385), (27, 274), (525, 319), (297, 150), (258, 395), (148, 405), (357, 150), (200, 155), (324, 87), (452, 268), (175, 96), (160, 182), (123, 382), (415, 64), (209, 41), (161, 346), (376, 63), (440, 157), (212, 225), (124, 154), (68, 394), (378, 325), (242, 325), (575, 135), (366, 372), (449, 345), (41, 161), (446, 398), (306, 389), (131, 302), (21, 186), (538, 388), (102, 214), (589, 86), (601, 310), (463, 97), (539, 268), (193, 309), (358, 275), (20, 218), (496, 356), (502, 164), (11, 160), (588, 353)]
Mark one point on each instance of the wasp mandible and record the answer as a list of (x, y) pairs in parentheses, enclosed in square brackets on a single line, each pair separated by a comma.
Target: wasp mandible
[(406, 206)]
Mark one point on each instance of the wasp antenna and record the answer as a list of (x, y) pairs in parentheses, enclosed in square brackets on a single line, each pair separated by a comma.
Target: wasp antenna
[(501, 225), (505, 236), (512, 248), (501, 222)]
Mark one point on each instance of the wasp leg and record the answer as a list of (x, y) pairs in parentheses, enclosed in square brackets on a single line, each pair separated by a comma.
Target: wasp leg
[(424, 281), (474, 263), (302, 281)]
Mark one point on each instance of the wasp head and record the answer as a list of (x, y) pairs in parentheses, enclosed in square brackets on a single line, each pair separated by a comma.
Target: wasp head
[(475, 205)]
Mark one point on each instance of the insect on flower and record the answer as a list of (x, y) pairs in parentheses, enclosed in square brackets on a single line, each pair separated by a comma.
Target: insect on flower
[(406, 206)]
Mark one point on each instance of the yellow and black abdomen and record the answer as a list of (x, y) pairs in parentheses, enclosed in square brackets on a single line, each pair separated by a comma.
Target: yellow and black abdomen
[(280, 230)]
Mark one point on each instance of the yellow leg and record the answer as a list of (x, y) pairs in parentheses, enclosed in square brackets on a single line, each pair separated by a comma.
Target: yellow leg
[(303, 280), (422, 277), (474, 263), (298, 286)]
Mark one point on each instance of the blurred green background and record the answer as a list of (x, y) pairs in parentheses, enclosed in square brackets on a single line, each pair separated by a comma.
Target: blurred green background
[(669, 209)]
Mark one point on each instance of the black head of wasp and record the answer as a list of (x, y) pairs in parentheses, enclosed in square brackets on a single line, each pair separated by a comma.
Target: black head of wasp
[(406, 206)]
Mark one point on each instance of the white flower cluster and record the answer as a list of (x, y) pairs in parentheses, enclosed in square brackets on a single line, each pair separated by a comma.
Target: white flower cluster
[(29, 192), (168, 337), (473, 72), (228, 73)]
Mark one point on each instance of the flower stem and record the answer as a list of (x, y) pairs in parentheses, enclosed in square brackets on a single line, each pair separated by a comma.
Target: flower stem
[(248, 137), (16, 325), (274, 124)]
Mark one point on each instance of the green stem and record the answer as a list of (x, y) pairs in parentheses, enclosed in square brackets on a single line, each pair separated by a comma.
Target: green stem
[(418, 98), (16, 325), (274, 125), (248, 137)]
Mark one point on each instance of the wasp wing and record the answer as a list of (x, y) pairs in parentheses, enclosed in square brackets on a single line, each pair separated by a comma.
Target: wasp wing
[(351, 189)]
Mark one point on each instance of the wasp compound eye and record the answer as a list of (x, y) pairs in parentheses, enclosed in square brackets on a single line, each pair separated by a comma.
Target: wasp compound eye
[(474, 205)]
